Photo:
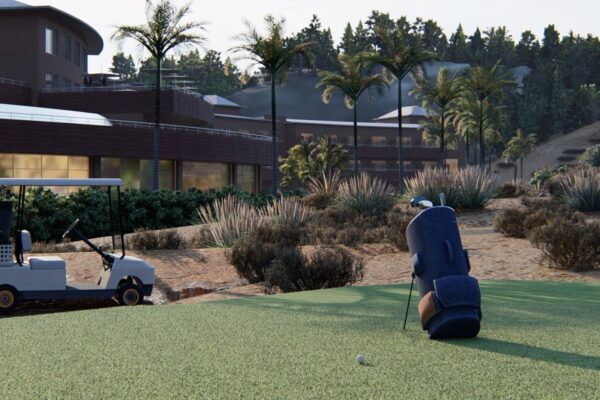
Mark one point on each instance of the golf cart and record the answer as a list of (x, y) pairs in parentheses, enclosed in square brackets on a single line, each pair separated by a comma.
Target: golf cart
[(126, 279)]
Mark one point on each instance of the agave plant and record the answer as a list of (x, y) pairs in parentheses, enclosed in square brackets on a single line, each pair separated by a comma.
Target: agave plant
[(430, 182), (476, 187), (591, 156), (322, 192), (365, 194), (287, 210), (228, 219), (581, 190)]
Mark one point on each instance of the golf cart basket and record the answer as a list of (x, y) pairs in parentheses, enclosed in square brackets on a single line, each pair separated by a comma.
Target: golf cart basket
[(450, 300)]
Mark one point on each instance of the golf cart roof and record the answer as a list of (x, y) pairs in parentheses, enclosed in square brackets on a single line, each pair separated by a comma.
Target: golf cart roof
[(59, 182)]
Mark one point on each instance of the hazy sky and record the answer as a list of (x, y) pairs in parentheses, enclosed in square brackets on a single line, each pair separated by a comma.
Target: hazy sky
[(224, 17)]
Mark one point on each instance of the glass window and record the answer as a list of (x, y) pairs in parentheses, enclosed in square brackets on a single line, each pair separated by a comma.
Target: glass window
[(245, 178), (306, 137), (77, 57), (205, 176), (137, 173), (333, 139), (378, 140), (51, 41), (66, 47), (378, 164)]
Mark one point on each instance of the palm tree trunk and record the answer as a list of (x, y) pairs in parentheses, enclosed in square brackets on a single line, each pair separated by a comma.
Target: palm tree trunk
[(467, 140), (442, 144), (156, 142), (521, 169), (400, 142), (481, 142), (355, 141), (274, 184), (515, 172)]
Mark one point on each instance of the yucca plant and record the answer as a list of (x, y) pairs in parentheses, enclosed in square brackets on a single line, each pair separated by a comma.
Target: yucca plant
[(287, 210), (430, 182), (365, 194), (228, 219), (321, 193), (476, 187), (581, 190), (591, 156)]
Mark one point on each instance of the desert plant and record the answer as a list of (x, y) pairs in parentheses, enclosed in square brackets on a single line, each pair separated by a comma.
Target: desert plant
[(395, 230), (53, 247), (228, 220), (512, 189), (322, 192), (365, 194), (568, 245), (287, 210), (430, 182), (338, 226), (325, 268), (591, 156), (475, 187), (581, 189), (143, 240), (170, 240)]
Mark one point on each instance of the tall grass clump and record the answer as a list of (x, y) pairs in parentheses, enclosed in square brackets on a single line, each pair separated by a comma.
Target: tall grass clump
[(467, 188), (581, 189), (591, 156), (364, 194), (287, 210), (227, 220), (321, 193)]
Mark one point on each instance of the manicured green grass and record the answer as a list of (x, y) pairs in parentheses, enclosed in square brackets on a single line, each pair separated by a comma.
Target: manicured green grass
[(538, 340)]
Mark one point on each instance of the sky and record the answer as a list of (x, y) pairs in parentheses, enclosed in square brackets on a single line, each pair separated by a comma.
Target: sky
[(225, 17)]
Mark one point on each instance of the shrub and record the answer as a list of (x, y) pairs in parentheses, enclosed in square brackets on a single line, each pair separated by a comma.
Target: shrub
[(568, 245), (541, 176), (322, 192), (395, 231), (170, 240), (512, 189), (581, 189), (287, 210), (509, 222), (338, 226), (253, 253), (365, 194), (325, 268), (228, 220), (53, 247), (150, 240), (591, 156), (467, 188)]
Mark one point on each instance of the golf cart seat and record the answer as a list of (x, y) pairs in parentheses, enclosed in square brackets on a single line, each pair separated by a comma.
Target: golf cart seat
[(46, 263)]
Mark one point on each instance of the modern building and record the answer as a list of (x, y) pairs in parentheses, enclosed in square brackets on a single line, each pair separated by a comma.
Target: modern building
[(52, 125)]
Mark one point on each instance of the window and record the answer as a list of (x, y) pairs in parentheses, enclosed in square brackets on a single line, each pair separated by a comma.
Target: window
[(378, 164), (77, 58), (49, 81), (137, 173), (84, 60), (245, 178), (66, 47), (51, 41), (204, 176), (306, 137), (66, 83), (378, 140), (44, 166), (333, 139)]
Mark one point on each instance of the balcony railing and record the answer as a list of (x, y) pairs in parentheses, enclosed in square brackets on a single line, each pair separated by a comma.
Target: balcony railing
[(129, 124), (14, 82), (116, 88)]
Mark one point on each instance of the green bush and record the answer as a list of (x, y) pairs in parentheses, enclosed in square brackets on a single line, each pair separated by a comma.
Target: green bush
[(541, 176), (568, 245), (325, 268), (591, 156), (581, 189), (467, 188)]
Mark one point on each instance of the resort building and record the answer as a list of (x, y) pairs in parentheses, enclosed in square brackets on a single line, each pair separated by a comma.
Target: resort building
[(53, 123)]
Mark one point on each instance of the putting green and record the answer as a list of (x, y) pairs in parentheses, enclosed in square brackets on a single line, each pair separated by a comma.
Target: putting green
[(538, 340)]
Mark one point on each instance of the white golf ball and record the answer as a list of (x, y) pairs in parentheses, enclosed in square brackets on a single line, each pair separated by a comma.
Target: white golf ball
[(361, 358)]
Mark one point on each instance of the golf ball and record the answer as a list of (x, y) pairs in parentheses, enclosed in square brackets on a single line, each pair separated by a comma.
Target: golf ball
[(361, 358)]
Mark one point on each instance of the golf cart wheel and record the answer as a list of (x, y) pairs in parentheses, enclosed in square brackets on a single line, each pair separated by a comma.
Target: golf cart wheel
[(130, 295), (8, 299)]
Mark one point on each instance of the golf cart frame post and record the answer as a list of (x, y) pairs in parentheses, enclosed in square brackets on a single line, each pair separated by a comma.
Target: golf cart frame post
[(109, 183)]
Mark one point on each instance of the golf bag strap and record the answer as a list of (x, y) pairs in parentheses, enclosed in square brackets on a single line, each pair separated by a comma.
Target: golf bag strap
[(427, 308)]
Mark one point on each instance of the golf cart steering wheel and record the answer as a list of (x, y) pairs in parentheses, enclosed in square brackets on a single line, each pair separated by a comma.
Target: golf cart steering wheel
[(70, 228)]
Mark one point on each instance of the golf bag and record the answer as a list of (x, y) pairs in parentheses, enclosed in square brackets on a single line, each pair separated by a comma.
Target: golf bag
[(450, 300)]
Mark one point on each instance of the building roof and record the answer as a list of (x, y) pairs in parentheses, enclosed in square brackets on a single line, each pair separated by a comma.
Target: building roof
[(92, 37), (219, 101), (52, 115), (408, 111)]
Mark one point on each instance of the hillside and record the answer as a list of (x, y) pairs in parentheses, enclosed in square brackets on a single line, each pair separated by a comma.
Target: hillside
[(558, 150)]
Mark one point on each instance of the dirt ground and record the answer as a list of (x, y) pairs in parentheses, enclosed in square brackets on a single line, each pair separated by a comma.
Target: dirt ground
[(194, 275)]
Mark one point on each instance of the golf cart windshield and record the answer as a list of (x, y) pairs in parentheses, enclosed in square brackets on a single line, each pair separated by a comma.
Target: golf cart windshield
[(114, 211)]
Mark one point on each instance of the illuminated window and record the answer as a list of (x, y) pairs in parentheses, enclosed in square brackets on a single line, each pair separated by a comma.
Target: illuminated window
[(378, 140), (204, 176), (306, 137), (44, 166), (378, 164), (333, 139), (137, 173), (245, 178)]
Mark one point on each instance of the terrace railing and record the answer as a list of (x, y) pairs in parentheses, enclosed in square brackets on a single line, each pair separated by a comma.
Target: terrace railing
[(14, 82), (116, 88)]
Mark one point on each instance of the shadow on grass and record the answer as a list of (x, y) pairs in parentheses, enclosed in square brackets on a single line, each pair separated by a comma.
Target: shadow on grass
[(531, 352)]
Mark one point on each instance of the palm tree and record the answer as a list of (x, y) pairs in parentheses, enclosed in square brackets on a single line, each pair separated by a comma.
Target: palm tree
[(432, 131), (484, 83), (164, 31), (519, 146), (399, 59), (441, 94), (275, 56), (352, 81)]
